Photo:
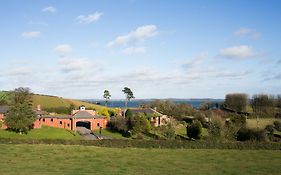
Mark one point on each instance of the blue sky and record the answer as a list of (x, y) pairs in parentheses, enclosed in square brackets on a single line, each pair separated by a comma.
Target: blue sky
[(159, 48)]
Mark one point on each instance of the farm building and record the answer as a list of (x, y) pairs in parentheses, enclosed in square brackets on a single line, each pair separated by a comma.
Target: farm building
[(156, 118), (78, 118)]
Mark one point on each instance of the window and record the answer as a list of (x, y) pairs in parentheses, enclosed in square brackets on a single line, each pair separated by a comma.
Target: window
[(68, 125), (61, 122), (98, 124), (43, 120), (52, 119)]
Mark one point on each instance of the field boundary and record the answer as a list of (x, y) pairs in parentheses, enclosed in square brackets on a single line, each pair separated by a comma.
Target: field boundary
[(170, 144)]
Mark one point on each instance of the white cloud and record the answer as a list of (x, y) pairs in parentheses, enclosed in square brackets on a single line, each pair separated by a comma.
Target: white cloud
[(229, 74), (242, 51), (133, 50), (195, 61), (32, 34), (71, 64), (87, 19), (63, 49), (49, 9), (247, 32), (140, 33)]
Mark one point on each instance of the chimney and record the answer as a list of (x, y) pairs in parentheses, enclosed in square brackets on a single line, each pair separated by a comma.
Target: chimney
[(155, 109), (38, 107), (82, 108)]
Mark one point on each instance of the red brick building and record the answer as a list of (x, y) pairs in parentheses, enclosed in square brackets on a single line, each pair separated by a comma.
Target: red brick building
[(79, 118)]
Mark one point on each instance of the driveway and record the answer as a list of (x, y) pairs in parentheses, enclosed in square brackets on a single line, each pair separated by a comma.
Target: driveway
[(86, 133)]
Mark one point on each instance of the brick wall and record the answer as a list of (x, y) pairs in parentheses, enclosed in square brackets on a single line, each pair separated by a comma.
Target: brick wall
[(65, 123)]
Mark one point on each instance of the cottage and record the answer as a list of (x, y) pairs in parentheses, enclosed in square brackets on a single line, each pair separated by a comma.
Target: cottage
[(156, 118)]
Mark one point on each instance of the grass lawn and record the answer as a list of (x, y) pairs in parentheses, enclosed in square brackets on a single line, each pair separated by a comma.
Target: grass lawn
[(43, 133), (263, 122), (108, 133), (62, 159)]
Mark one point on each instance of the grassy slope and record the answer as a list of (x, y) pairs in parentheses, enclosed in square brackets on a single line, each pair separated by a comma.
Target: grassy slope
[(263, 122), (60, 159), (42, 133), (52, 101)]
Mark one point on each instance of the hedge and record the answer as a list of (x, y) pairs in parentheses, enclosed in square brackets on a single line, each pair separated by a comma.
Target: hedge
[(171, 144)]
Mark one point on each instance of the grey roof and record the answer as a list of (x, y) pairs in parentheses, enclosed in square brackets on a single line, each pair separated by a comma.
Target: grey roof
[(145, 111), (59, 116), (85, 114), (3, 109)]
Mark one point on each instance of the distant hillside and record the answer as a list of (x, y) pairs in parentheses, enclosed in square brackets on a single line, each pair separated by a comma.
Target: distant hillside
[(47, 101)]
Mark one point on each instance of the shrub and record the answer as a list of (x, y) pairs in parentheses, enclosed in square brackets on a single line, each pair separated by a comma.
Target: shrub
[(270, 128), (277, 125), (194, 130), (215, 127), (201, 117), (128, 113), (239, 120), (245, 134), (169, 131)]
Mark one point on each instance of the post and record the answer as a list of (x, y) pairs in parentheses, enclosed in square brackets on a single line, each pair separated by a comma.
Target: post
[(100, 131)]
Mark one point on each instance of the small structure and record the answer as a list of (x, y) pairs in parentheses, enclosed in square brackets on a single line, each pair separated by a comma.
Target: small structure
[(156, 118)]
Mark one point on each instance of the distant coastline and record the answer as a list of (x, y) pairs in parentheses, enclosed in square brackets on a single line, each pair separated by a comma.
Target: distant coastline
[(195, 102)]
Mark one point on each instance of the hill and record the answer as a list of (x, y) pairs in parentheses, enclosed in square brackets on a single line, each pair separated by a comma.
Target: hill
[(51, 102)]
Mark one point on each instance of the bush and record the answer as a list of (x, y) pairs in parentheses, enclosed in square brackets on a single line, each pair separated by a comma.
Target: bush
[(194, 130), (245, 134), (215, 127), (170, 144), (277, 125), (239, 120), (270, 128), (169, 131)]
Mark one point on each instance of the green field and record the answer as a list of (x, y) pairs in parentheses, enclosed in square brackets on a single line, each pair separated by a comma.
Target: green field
[(43, 133), (55, 102), (60, 159), (263, 122), (110, 134)]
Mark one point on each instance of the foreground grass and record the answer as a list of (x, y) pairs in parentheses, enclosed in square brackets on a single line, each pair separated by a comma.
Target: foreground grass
[(110, 134), (43, 133), (59, 159)]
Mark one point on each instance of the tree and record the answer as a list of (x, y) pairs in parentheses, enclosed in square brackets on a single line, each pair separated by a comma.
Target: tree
[(129, 95), (263, 105), (194, 130), (128, 114), (20, 116), (237, 102), (71, 107), (140, 124), (106, 96)]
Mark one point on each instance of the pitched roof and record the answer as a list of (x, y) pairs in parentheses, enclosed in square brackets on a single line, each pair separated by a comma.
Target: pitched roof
[(3, 109), (86, 114), (145, 111)]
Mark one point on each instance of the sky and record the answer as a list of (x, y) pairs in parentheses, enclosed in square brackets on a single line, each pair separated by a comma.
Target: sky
[(159, 48)]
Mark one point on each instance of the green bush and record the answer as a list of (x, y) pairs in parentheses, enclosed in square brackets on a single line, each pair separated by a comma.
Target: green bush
[(194, 130), (245, 134), (167, 144), (277, 125)]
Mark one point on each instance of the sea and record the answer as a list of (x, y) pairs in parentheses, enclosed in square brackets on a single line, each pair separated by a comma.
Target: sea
[(195, 103)]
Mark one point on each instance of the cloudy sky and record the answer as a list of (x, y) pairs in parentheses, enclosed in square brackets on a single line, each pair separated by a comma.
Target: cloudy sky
[(159, 48)]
